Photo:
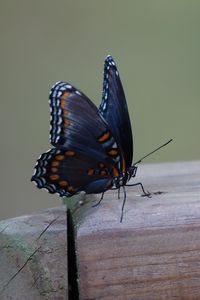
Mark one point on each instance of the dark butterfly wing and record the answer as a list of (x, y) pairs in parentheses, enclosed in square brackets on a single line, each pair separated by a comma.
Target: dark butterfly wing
[(72, 115), (67, 172), (114, 109), (86, 156)]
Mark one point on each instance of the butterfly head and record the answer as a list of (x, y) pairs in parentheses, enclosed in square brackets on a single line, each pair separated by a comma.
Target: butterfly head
[(124, 177)]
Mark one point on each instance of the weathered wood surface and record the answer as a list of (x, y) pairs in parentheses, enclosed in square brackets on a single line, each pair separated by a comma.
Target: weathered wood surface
[(33, 256), (155, 252)]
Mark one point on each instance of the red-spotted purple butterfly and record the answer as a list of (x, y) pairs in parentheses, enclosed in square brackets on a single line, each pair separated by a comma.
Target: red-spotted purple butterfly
[(92, 148)]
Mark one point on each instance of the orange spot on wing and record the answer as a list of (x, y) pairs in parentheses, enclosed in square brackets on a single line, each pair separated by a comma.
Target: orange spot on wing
[(115, 171), (101, 165), (66, 94), (55, 163), (66, 122), (104, 137), (103, 173), (54, 170), (59, 157), (70, 189), (54, 177), (62, 103), (63, 99), (63, 183), (70, 153), (65, 113), (90, 172), (112, 152)]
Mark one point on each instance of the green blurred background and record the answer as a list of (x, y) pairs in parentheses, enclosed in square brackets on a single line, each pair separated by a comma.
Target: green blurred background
[(156, 45)]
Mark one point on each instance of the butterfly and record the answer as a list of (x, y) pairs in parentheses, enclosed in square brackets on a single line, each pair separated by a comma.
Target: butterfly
[(92, 148)]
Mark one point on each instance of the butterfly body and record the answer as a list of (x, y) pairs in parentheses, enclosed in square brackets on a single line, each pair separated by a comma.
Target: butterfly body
[(123, 179), (92, 148)]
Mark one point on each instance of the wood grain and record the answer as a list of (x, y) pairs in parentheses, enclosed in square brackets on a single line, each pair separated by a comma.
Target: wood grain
[(155, 252), (33, 256)]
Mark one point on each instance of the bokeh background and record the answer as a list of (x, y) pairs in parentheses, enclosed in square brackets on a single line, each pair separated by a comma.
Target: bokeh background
[(156, 45)]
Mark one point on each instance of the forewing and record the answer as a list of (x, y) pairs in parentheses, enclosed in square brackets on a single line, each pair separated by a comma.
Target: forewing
[(114, 109), (74, 118)]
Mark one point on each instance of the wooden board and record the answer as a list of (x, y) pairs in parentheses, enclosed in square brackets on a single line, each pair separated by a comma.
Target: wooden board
[(155, 252), (33, 256)]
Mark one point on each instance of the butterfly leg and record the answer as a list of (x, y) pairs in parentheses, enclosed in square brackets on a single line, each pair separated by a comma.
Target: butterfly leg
[(119, 193), (123, 204), (145, 193), (99, 200)]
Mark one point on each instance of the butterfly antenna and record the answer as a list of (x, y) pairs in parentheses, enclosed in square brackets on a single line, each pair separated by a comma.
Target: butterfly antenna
[(139, 161)]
